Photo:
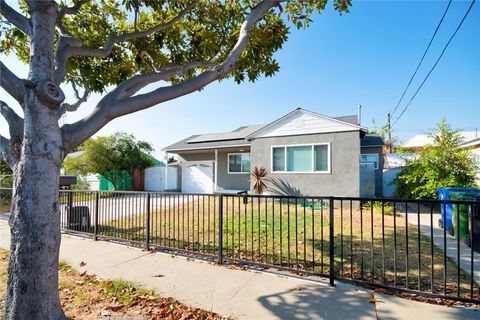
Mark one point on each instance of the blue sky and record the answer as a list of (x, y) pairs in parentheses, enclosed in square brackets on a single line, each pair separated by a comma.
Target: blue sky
[(365, 57)]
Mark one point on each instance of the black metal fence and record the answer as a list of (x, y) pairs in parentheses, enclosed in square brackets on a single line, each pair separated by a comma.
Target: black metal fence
[(390, 243)]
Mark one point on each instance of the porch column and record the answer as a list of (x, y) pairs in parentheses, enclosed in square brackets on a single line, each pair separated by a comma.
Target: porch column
[(215, 173)]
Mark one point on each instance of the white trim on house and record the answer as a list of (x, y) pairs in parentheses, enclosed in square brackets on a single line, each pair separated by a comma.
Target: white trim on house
[(301, 122), (241, 166), (370, 154), (329, 157)]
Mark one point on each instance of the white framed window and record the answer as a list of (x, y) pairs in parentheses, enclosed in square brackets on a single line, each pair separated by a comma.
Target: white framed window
[(310, 158), (369, 158), (238, 163)]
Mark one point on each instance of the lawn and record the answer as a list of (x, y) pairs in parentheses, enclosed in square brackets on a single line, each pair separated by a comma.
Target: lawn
[(296, 235), (86, 297)]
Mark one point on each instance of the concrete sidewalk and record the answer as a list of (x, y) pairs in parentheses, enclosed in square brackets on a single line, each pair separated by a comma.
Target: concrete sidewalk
[(237, 293)]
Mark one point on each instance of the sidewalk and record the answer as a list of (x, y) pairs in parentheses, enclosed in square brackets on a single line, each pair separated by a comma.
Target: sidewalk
[(237, 293)]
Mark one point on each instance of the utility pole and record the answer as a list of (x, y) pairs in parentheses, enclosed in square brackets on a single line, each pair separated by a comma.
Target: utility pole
[(359, 115), (389, 128)]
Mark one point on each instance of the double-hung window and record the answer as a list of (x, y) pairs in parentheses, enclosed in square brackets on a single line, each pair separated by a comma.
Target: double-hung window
[(369, 158), (304, 158), (239, 163)]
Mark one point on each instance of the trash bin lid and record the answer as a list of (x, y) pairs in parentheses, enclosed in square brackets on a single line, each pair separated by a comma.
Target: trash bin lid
[(470, 195)]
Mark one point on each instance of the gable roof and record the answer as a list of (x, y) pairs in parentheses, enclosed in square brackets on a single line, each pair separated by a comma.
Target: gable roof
[(346, 121), (241, 136)]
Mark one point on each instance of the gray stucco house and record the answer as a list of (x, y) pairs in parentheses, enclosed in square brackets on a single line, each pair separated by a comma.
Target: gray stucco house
[(305, 153)]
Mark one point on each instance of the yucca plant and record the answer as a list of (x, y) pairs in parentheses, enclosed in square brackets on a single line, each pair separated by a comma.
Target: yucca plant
[(258, 178)]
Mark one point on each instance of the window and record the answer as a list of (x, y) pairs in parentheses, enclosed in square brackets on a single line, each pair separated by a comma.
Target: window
[(369, 158), (239, 163), (278, 156), (304, 158)]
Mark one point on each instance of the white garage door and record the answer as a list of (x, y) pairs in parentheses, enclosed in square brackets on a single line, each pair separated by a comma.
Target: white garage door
[(198, 177)]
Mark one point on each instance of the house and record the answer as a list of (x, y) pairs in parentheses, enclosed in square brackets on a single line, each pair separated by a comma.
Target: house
[(305, 153), (418, 142), (474, 147)]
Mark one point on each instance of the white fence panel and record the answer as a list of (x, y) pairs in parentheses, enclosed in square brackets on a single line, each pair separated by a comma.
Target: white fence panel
[(161, 178)]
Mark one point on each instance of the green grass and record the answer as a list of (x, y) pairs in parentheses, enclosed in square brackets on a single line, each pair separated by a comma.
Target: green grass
[(297, 236)]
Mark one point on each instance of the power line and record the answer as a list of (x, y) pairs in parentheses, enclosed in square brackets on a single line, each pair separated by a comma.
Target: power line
[(423, 57), (436, 62)]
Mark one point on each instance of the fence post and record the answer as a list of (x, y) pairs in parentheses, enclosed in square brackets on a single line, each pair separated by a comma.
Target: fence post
[(332, 244), (147, 240), (70, 209), (220, 229), (96, 215)]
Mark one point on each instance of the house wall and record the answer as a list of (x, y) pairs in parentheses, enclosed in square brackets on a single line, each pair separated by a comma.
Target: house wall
[(343, 180), (229, 181), (379, 172)]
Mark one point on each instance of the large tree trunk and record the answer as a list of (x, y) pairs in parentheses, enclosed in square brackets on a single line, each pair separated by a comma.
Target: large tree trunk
[(35, 221)]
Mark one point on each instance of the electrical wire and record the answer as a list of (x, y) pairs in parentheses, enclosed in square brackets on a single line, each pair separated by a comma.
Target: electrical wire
[(423, 57), (436, 62)]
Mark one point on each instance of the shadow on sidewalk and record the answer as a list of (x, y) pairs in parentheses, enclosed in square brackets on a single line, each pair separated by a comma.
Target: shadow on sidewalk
[(316, 302)]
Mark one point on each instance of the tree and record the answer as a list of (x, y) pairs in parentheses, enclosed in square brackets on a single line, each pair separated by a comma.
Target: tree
[(5, 175), (178, 47), (444, 164), (386, 133), (110, 156)]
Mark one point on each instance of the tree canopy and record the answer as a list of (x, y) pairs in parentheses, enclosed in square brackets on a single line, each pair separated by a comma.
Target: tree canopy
[(138, 54), (443, 164), (110, 156)]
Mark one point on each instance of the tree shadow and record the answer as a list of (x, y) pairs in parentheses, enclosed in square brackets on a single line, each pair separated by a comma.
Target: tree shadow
[(319, 302)]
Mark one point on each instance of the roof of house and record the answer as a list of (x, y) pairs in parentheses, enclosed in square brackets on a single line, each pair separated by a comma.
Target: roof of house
[(240, 136), (345, 120), (353, 119), (197, 142), (421, 140), (471, 143), (372, 140)]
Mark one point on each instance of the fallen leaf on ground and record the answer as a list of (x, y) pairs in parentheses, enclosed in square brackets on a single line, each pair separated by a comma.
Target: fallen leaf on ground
[(374, 300)]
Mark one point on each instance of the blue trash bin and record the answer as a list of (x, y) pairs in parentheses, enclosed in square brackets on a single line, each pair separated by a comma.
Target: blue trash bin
[(444, 194)]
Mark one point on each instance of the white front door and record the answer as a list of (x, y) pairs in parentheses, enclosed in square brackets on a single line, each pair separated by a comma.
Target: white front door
[(198, 177)]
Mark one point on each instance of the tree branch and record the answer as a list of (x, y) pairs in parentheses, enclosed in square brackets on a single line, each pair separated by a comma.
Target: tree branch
[(73, 47), (15, 122), (68, 10), (76, 133), (164, 73), (71, 10), (17, 19), (11, 83), (67, 107), (6, 153)]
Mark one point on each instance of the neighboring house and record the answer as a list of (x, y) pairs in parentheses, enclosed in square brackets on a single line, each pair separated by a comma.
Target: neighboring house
[(474, 146), (418, 142), (305, 153)]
